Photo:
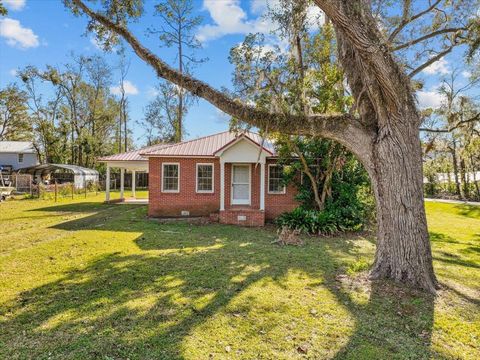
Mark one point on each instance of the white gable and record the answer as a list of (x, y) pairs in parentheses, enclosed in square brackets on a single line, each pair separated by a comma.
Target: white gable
[(243, 151)]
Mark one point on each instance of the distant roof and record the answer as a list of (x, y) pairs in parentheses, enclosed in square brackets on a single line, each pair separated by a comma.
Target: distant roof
[(209, 145), (48, 168), (133, 155), (17, 147)]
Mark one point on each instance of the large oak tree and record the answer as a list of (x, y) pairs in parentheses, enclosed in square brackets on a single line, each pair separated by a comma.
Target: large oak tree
[(383, 132)]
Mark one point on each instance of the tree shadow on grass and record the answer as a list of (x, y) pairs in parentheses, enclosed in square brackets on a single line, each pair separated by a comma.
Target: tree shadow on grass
[(471, 211), (146, 305)]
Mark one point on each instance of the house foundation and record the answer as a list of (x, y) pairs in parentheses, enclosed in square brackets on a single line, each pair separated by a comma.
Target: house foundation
[(243, 216)]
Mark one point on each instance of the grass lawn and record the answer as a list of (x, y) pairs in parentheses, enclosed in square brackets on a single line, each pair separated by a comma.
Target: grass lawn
[(85, 280)]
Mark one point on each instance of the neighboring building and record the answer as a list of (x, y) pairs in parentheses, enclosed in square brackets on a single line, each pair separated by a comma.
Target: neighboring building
[(234, 178), (17, 154), (62, 173)]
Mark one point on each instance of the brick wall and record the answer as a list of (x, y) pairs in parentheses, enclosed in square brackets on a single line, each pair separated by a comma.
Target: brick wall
[(172, 204), (276, 204), (203, 204)]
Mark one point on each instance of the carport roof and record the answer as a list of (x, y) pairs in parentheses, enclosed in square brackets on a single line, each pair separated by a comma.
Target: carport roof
[(48, 168)]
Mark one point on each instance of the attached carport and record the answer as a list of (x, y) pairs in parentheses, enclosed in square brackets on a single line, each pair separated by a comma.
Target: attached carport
[(128, 161)]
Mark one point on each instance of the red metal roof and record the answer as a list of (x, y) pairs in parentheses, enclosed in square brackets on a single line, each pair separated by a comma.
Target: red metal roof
[(208, 145), (133, 155)]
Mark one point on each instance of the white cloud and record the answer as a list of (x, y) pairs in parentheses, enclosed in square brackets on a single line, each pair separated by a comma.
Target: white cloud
[(439, 67), (229, 18), (15, 5), (130, 89), (16, 35), (466, 74), (429, 99), (13, 72)]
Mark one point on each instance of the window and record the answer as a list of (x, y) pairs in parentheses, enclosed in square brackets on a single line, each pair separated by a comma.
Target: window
[(275, 179), (20, 158), (170, 177), (205, 178)]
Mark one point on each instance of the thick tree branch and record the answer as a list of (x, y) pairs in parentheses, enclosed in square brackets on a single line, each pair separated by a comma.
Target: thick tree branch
[(431, 61), (474, 118), (340, 127), (428, 36)]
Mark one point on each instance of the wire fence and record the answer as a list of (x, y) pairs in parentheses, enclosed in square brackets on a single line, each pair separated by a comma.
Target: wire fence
[(21, 182), (66, 190)]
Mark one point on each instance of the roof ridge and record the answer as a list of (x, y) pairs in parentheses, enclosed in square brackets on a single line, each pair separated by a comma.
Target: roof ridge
[(200, 138), (133, 151), (153, 146)]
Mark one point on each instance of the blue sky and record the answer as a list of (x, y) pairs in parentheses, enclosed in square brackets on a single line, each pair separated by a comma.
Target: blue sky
[(40, 32)]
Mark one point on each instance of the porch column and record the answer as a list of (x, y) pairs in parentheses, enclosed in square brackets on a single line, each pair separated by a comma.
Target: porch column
[(262, 186), (107, 184), (222, 185), (133, 182), (122, 182)]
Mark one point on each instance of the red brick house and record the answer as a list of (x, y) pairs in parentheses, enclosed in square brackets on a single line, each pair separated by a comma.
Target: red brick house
[(229, 176)]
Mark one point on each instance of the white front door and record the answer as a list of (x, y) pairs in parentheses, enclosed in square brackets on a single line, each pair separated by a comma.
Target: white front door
[(241, 184)]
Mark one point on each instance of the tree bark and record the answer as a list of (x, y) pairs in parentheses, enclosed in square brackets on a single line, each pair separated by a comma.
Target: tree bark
[(403, 247), (385, 104)]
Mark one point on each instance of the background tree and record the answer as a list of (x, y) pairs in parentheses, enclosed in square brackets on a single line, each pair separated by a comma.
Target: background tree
[(123, 66), (451, 131), (47, 117), (177, 30), (161, 114), (77, 123), (383, 132), (3, 10), (14, 118), (275, 81)]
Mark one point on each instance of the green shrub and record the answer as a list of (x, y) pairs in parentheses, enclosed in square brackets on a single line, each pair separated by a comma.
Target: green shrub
[(325, 222), (350, 209)]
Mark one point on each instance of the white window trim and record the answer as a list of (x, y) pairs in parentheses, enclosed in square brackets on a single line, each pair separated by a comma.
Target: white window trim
[(163, 172), (284, 191), (235, 202), (213, 179), (18, 158)]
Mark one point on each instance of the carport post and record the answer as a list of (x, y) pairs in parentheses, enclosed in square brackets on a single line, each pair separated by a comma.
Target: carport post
[(122, 182), (133, 183), (107, 185)]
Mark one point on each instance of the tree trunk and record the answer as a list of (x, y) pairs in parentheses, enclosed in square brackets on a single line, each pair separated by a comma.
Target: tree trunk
[(464, 177), (458, 186), (403, 250), (474, 173)]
